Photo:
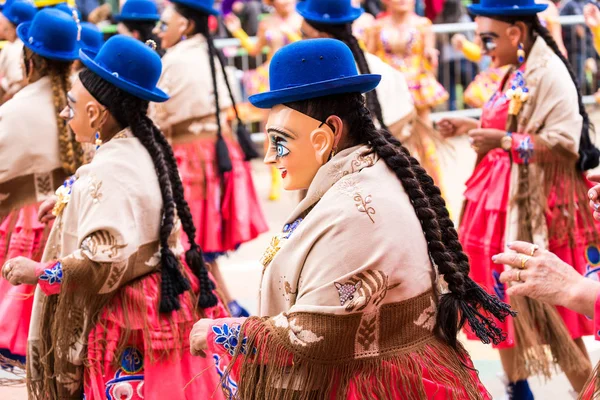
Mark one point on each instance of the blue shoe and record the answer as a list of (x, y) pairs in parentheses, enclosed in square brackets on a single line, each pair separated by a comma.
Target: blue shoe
[(519, 390), (236, 310)]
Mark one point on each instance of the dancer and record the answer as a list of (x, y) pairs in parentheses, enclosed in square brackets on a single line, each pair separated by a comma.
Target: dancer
[(37, 152), (138, 19), (13, 14), (115, 301), (216, 176), (276, 30), (369, 323), (532, 144), (592, 20)]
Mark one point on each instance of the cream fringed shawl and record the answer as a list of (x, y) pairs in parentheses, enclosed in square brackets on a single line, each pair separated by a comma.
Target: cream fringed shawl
[(348, 297), (106, 237)]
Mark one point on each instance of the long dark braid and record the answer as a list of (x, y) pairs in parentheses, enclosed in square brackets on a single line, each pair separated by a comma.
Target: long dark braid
[(344, 34), (465, 298), (589, 155), (130, 111)]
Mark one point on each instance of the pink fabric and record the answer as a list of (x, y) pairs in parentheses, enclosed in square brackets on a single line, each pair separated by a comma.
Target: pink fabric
[(226, 210), (48, 288), (597, 318), (483, 225), (161, 378), (20, 235), (518, 141)]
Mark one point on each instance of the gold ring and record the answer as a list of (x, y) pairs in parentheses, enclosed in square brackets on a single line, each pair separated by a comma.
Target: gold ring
[(534, 249), (524, 260), (519, 276), (7, 267)]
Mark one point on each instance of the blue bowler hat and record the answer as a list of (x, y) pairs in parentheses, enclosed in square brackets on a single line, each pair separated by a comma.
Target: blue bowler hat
[(313, 68), (206, 6), (51, 34), (517, 8), (91, 37), (19, 11), (138, 10), (128, 64), (332, 12), (64, 7)]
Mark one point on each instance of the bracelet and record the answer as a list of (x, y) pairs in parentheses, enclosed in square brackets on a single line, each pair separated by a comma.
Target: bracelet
[(506, 141)]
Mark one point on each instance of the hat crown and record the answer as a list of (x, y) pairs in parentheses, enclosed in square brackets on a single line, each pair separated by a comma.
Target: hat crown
[(54, 31), (144, 7), (507, 3), (19, 11), (311, 61), (130, 60), (328, 9), (206, 6), (91, 36), (507, 8)]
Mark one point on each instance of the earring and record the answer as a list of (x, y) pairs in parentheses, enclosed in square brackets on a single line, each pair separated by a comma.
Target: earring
[(98, 140), (521, 54), (183, 37)]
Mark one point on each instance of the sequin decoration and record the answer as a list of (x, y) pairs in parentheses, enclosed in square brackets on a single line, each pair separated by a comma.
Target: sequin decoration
[(288, 229), (63, 195), (525, 149)]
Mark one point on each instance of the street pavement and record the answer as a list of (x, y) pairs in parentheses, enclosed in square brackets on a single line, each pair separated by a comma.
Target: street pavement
[(242, 271)]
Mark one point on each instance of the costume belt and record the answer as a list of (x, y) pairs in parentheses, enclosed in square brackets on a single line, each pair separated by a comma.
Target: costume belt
[(29, 189)]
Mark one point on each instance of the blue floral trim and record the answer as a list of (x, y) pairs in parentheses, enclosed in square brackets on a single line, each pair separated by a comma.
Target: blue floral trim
[(288, 229), (53, 275), (525, 149), (228, 338), (229, 386)]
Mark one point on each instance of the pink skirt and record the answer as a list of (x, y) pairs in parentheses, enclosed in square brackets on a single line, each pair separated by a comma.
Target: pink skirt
[(225, 210), (482, 232), (20, 235), (157, 365)]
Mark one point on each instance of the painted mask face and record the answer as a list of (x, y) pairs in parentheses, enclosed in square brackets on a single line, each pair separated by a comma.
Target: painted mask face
[(83, 113), (298, 146)]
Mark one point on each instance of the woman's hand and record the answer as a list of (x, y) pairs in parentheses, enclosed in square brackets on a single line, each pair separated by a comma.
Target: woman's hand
[(547, 278), (45, 212), (198, 335), (484, 140), (455, 126), (431, 55), (20, 270), (457, 41), (594, 194), (232, 22), (591, 13)]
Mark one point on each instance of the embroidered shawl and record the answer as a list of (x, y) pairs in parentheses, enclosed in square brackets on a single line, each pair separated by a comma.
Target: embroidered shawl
[(348, 297), (105, 238)]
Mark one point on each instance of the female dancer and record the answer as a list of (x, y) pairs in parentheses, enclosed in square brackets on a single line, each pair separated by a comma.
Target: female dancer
[(138, 19), (13, 14), (37, 152), (214, 169), (115, 301), (276, 30), (532, 144), (370, 323)]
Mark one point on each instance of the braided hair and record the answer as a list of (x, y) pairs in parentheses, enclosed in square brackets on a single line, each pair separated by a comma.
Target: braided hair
[(71, 152), (589, 155), (201, 27), (344, 33), (466, 301), (130, 111)]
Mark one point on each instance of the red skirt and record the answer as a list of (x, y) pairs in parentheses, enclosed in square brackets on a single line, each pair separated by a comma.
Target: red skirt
[(225, 210), (20, 235), (482, 232)]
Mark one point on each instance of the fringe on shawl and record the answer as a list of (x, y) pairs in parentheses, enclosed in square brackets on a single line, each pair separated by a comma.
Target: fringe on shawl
[(69, 317), (591, 389), (271, 371), (539, 325)]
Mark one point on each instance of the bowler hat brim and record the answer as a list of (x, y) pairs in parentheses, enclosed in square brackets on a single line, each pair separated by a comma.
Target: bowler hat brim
[(136, 17), (515, 11), (23, 34), (352, 84), (326, 19), (156, 95), (200, 7)]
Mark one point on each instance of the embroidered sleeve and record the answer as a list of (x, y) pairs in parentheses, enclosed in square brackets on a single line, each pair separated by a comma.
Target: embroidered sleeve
[(224, 336), (522, 148), (50, 277)]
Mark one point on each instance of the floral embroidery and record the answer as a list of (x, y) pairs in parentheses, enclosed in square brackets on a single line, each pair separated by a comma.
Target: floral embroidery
[(101, 242), (297, 335), (348, 185), (288, 229), (363, 205), (427, 318), (130, 372), (63, 194), (525, 149), (53, 275), (229, 386), (358, 292), (228, 337), (271, 251), (94, 190), (499, 287)]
